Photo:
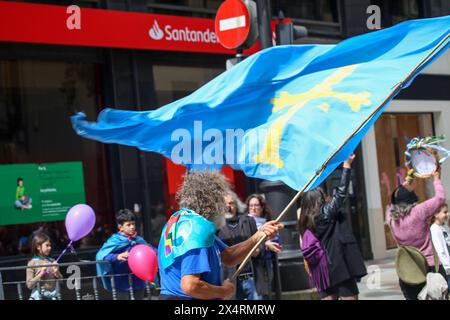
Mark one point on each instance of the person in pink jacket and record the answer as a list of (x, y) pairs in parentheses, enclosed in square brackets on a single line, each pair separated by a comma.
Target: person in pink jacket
[(410, 224)]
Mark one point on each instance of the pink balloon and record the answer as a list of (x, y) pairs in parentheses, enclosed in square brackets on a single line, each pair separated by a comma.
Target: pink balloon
[(80, 220), (143, 262)]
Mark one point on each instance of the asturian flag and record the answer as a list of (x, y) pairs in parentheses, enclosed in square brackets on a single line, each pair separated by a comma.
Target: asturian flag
[(287, 112)]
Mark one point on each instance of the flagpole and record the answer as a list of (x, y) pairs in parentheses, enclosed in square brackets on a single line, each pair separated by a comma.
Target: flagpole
[(322, 168)]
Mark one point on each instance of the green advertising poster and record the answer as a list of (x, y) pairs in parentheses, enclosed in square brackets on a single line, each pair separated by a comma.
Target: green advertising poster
[(39, 192)]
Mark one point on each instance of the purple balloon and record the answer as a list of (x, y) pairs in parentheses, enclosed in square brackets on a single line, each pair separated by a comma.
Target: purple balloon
[(80, 220)]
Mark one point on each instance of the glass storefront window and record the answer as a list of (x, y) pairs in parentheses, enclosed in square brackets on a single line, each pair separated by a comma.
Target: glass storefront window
[(80, 3), (206, 4), (393, 132), (37, 99), (176, 82), (324, 10), (404, 10), (393, 12), (172, 83)]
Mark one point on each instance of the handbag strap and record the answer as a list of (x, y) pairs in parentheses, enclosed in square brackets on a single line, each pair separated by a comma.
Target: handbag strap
[(436, 259), (392, 231)]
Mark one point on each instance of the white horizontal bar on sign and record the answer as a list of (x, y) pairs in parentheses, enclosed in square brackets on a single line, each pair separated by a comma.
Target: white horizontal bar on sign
[(232, 23)]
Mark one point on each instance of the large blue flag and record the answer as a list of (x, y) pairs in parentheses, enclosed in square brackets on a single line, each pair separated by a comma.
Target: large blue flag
[(283, 113)]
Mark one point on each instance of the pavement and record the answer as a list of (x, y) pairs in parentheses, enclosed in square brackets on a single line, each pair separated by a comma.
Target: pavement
[(381, 283)]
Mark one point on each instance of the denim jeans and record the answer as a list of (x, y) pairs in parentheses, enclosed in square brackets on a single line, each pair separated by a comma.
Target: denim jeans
[(246, 290), (27, 202), (44, 295)]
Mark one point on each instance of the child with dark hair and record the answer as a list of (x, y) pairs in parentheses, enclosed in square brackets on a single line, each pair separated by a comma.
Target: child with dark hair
[(440, 237), (41, 248), (116, 250)]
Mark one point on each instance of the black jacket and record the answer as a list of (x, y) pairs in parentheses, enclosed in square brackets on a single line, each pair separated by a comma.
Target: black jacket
[(344, 257), (247, 227)]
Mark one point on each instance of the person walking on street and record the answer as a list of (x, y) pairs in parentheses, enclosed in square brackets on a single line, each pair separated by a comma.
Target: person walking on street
[(238, 228), (322, 219), (409, 222), (259, 209)]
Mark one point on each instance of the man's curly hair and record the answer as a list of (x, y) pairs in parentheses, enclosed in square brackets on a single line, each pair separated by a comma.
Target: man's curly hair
[(203, 192)]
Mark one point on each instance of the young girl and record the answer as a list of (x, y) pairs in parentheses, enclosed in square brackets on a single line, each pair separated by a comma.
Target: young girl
[(324, 219), (40, 249), (441, 238)]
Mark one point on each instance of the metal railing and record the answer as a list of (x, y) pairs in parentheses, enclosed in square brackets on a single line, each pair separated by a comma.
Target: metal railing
[(92, 289)]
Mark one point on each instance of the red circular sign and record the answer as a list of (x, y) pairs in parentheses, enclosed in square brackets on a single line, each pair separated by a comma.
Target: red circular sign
[(232, 23)]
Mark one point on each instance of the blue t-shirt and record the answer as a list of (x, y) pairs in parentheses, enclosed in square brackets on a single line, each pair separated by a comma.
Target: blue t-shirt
[(203, 261)]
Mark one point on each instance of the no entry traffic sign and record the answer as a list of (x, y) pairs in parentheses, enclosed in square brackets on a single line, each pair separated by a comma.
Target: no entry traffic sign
[(233, 23)]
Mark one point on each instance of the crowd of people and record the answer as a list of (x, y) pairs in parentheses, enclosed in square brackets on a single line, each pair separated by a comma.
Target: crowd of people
[(334, 261), (200, 261), (237, 227), (243, 221)]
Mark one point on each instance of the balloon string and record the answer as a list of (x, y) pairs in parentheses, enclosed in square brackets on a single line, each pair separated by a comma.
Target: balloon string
[(64, 251)]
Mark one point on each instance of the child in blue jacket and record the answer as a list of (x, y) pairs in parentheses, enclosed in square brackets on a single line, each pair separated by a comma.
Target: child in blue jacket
[(116, 250)]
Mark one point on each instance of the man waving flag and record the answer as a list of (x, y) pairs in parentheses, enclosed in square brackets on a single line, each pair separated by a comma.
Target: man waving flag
[(287, 113)]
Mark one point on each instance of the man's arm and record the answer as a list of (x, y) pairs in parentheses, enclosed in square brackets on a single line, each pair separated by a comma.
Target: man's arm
[(111, 257), (193, 286), (254, 229), (234, 255)]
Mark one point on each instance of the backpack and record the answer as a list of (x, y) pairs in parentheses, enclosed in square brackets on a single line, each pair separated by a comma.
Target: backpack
[(316, 261), (412, 268), (411, 265)]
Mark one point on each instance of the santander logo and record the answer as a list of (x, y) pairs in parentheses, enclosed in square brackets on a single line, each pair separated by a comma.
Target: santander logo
[(169, 33), (155, 31)]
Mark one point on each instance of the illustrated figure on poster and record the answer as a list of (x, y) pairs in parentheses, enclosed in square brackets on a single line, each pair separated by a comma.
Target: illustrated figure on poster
[(23, 201)]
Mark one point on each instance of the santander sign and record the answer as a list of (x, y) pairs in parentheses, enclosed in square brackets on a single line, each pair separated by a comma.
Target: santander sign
[(130, 30), (155, 31), (170, 33)]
